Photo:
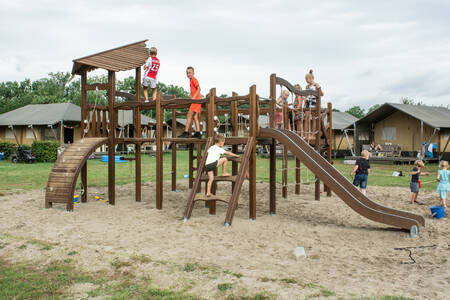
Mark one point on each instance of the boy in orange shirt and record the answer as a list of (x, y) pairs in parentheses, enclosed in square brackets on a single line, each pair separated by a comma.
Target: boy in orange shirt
[(195, 108)]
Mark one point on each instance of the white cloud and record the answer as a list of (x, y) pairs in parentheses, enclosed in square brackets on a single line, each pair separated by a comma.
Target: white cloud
[(362, 52)]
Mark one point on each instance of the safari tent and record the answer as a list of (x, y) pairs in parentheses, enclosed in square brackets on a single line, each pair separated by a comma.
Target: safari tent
[(407, 126)]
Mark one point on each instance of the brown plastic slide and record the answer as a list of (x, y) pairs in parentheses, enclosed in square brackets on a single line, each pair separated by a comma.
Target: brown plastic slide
[(343, 188)]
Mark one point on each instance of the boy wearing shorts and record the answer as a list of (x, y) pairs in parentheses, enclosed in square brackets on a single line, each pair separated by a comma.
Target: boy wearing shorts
[(415, 180), (213, 161), (195, 108), (150, 71)]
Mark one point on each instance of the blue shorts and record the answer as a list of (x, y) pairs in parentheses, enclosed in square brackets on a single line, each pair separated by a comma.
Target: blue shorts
[(414, 187), (361, 180)]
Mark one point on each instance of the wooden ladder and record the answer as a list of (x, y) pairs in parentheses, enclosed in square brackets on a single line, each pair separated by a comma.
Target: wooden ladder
[(238, 180)]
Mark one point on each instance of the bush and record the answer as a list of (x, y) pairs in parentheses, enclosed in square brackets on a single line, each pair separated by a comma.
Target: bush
[(45, 151), (7, 148)]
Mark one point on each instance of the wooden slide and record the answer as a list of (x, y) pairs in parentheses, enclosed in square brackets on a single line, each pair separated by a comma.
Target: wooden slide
[(339, 184), (63, 177)]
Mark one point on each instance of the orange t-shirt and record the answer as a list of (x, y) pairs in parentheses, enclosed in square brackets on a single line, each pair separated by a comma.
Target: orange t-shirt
[(194, 88)]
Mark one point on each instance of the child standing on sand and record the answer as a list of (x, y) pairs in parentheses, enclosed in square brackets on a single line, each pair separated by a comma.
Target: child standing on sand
[(443, 186), (150, 71), (414, 185), (362, 170), (195, 108), (213, 161)]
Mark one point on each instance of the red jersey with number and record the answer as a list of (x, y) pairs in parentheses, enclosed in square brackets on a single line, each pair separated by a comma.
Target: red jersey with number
[(152, 67), (194, 88)]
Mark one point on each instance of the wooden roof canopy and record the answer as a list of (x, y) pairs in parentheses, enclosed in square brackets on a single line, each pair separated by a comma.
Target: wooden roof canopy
[(122, 58)]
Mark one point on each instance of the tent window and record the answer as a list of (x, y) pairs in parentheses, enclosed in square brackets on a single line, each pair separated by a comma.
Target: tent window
[(388, 133), (363, 136), (29, 134), (9, 133)]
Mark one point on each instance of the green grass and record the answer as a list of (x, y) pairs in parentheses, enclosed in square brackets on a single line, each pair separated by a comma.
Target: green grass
[(23, 282), (35, 176)]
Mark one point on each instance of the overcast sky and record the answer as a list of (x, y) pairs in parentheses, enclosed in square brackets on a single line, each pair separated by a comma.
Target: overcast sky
[(362, 52)]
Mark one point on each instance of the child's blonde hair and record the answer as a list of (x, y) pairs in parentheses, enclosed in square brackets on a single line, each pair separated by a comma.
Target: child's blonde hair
[(309, 74), (219, 138), (419, 163), (443, 164), (298, 87), (153, 51), (365, 153)]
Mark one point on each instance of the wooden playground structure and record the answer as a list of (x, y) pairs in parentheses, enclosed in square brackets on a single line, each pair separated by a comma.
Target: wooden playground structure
[(99, 124)]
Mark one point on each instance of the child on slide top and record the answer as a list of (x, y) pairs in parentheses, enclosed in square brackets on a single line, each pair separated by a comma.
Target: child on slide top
[(213, 161), (151, 69), (414, 185), (195, 108)]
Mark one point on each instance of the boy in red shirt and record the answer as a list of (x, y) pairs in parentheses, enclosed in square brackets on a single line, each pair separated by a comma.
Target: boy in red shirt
[(150, 71), (195, 108)]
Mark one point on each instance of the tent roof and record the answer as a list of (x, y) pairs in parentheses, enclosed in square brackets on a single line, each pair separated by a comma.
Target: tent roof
[(342, 120), (49, 114), (42, 114), (434, 116), (122, 58)]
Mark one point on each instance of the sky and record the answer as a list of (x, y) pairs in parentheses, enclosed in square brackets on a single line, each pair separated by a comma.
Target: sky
[(362, 52)]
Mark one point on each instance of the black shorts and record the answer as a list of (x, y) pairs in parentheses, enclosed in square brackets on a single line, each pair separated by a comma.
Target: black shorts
[(211, 167)]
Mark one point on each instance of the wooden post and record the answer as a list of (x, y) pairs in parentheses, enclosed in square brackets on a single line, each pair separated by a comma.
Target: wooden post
[(330, 139), (83, 128), (235, 125), (297, 176), (61, 133), (284, 172), (137, 134), (317, 145), (174, 150), (210, 133), (112, 135), (273, 157), (191, 165), (252, 167), (159, 152)]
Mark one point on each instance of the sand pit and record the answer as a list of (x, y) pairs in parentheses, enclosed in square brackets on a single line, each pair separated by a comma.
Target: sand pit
[(347, 255)]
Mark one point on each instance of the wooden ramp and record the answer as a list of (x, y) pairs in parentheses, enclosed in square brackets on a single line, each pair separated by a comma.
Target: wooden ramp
[(63, 177)]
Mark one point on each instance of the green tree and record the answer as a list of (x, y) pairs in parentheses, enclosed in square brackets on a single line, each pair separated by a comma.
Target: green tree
[(372, 108), (356, 111), (410, 101)]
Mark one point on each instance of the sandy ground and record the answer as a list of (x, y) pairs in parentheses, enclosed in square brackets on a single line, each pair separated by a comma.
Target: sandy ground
[(347, 255)]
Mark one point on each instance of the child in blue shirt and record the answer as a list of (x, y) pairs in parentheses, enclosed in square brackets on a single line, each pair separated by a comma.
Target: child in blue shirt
[(443, 186)]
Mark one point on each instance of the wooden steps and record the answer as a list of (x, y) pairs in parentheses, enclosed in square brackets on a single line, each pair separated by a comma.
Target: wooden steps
[(219, 178), (203, 197), (63, 176)]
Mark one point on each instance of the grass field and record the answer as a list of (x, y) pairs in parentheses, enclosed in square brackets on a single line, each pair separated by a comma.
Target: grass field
[(27, 177)]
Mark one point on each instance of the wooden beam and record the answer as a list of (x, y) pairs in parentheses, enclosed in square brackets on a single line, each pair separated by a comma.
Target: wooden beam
[(95, 86), (137, 134), (254, 131), (318, 138), (159, 152), (83, 128), (174, 150), (111, 146), (273, 159)]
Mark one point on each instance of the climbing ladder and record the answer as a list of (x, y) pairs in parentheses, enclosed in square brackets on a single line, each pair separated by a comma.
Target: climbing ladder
[(63, 177), (238, 180)]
